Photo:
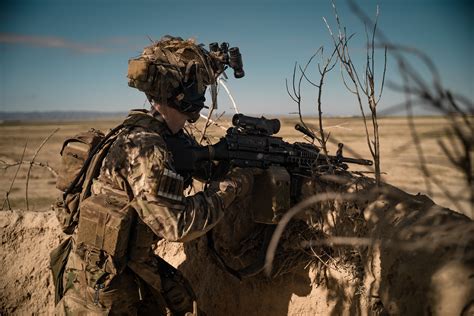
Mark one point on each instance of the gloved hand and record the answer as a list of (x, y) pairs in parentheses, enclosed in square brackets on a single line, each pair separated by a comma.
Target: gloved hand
[(240, 180)]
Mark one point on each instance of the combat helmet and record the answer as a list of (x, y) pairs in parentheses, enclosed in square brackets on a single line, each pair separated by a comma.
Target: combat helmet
[(175, 72)]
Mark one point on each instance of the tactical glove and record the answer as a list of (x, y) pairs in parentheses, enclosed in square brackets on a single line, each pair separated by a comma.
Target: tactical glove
[(240, 180)]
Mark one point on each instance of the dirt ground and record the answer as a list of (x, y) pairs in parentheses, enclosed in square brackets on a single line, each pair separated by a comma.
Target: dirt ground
[(431, 276), (408, 268)]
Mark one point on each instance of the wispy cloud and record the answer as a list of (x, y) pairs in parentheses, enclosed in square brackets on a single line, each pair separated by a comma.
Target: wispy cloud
[(50, 42)]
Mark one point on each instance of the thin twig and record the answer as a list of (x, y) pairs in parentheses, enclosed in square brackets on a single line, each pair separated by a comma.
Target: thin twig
[(288, 91), (318, 257), (270, 255), (367, 88), (327, 68), (211, 110), (411, 245), (383, 76), (7, 200), (307, 79), (222, 83), (45, 165), (32, 162), (214, 122)]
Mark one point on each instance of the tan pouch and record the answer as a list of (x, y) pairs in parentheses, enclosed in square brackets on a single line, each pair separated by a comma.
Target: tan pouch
[(272, 188), (67, 212), (74, 153), (104, 225), (74, 305), (141, 74), (138, 69)]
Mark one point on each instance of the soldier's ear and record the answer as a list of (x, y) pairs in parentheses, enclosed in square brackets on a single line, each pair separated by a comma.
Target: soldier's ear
[(159, 107)]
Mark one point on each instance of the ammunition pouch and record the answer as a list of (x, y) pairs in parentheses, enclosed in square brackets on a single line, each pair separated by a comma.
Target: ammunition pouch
[(104, 230), (74, 153), (67, 211), (272, 188)]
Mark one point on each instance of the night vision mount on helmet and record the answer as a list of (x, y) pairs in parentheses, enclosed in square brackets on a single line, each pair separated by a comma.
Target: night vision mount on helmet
[(176, 72)]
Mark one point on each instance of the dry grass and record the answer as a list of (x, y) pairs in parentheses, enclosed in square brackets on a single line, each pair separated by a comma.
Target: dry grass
[(399, 159)]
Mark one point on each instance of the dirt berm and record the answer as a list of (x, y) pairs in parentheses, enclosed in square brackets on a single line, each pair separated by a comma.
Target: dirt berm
[(388, 252)]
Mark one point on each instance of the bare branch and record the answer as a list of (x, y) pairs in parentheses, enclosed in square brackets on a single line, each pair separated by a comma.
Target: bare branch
[(7, 200), (411, 245), (455, 106), (383, 76), (367, 87), (211, 110), (344, 81), (215, 122), (288, 91), (447, 152), (323, 73), (31, 164), (368, 72), (222, 83), (45, 165), (307, 79), (373, 41), (293, 81), (291, 213)]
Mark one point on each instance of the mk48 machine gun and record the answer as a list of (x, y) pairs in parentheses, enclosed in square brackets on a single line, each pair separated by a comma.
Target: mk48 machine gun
[(250, 143)]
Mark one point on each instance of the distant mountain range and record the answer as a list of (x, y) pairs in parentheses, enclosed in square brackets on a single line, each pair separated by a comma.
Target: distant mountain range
[(58, 115)]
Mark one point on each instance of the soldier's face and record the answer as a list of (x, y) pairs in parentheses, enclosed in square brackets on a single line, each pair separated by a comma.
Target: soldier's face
[(173, 118)]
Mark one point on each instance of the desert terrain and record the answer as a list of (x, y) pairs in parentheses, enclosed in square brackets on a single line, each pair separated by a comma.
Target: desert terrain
[(400, 160), (431, 276)]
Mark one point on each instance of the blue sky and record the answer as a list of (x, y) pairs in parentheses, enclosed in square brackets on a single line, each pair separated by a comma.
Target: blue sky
[(72, 55)]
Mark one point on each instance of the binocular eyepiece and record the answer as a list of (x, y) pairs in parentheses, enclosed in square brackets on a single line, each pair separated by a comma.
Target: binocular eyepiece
[(230, 56), (235, 61), (214, 47)]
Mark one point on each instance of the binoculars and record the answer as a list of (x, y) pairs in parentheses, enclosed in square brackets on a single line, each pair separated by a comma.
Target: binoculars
[(229, 56)]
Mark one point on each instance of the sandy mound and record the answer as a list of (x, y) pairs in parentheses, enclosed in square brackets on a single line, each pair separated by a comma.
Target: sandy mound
[(26, 285), (410, 257), (413, 258)]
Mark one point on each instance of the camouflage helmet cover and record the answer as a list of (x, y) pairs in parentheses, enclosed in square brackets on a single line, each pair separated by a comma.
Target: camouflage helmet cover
[(174, 71)]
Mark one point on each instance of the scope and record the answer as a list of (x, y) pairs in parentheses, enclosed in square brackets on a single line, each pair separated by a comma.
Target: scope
[(261, 125)]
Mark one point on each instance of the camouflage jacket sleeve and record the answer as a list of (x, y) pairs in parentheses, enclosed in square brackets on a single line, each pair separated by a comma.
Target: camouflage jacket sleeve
[(158, 192)]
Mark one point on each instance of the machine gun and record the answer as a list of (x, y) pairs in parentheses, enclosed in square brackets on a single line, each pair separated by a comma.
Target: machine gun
[(251, 143)]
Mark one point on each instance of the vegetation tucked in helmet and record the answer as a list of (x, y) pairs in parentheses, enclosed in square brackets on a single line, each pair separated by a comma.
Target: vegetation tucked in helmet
[(174, 72)]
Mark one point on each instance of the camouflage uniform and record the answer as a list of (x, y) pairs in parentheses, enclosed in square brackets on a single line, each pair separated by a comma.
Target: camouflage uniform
[(139, 168)]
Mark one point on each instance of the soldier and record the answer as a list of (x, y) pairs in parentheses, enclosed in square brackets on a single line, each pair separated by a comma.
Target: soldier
[(139, 173)]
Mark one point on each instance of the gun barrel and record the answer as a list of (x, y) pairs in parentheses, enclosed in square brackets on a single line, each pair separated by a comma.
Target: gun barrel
[(305, 131), (364, 162)]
